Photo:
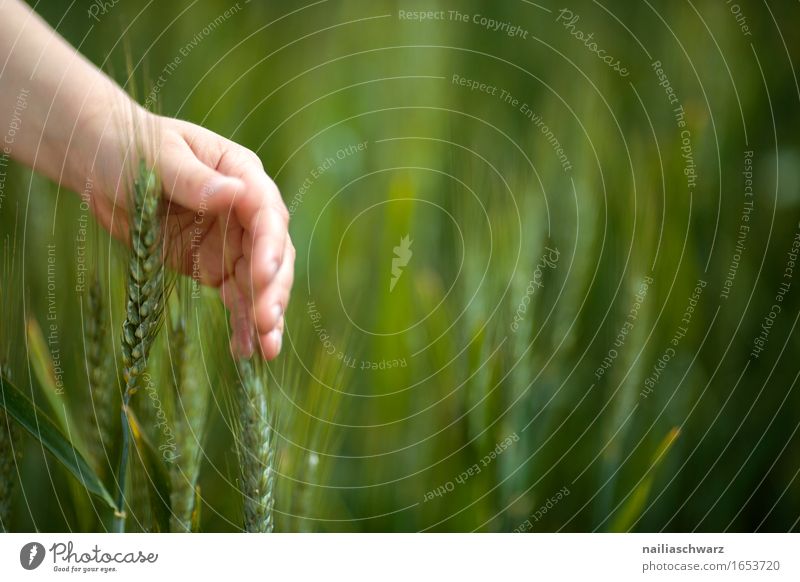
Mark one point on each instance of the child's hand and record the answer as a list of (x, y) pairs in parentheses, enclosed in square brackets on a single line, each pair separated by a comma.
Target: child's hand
[(241, 224), (226, 224)]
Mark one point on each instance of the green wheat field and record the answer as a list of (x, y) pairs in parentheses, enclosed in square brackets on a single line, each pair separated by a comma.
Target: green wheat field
[(547, 276)]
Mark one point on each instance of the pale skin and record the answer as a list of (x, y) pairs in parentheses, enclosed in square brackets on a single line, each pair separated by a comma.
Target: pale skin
[(77, 125)]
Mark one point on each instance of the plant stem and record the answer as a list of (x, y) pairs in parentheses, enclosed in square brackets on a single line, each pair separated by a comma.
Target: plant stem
[(122, 471)]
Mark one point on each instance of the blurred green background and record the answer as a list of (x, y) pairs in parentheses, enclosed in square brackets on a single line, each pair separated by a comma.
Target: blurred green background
[(472, 395)]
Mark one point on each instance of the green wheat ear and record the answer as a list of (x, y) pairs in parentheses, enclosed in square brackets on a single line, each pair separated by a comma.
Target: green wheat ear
[(102, 415), (146, 292), (189, 413), (145, 277), (255, 446)]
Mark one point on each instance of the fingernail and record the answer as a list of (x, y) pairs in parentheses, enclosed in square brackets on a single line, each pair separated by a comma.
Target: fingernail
[(278, 338), (276, 312)]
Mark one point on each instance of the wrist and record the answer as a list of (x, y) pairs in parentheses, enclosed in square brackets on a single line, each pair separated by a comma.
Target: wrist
[(108, 140)]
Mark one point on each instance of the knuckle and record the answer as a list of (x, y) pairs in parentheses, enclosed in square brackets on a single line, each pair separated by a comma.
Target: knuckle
[(273, 259), (283, 212), (279, 210), (271, 187), (255, 159), (276, 257), (273, 192), (250, 157)]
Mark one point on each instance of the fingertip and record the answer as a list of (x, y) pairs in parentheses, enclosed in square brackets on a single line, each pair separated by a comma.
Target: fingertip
[(271, 344)]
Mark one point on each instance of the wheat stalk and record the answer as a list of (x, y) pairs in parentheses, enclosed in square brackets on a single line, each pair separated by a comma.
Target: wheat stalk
[(145, 303), (256, 449), (139, 500)]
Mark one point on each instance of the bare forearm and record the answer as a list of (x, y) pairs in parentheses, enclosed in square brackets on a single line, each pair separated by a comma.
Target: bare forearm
[(59, 109)]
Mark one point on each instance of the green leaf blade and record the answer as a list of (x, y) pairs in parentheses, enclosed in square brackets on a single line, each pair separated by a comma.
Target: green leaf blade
[(33, 420)]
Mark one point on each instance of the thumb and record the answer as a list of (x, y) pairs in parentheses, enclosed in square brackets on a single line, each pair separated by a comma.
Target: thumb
[(194, 185)]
